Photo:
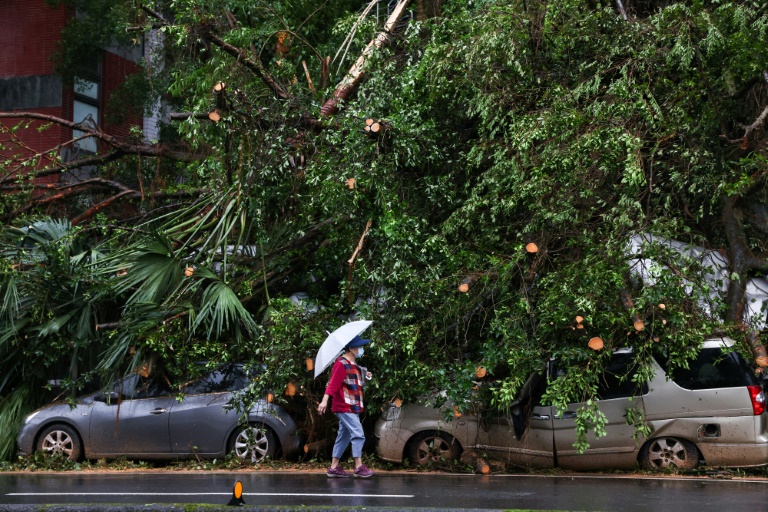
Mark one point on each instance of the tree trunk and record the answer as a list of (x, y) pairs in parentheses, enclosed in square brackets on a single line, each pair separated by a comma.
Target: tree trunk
[(470, 458), (738, 259), (741, 261)]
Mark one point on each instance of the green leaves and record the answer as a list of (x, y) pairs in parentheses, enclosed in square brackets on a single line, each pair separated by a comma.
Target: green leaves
[(150, 269), (506, 123), (222, 310)]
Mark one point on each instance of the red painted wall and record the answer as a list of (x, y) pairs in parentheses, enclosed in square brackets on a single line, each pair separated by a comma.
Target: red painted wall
[(29, 32), (116, 69)]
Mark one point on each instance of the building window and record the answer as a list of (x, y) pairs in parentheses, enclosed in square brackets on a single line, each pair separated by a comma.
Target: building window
[(86, 108)]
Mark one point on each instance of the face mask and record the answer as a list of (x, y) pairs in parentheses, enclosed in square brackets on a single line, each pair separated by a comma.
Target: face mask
[(360, 352)]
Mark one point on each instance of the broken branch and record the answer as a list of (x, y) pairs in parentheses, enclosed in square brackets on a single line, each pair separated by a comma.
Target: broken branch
[(360, 243), (355, 73)]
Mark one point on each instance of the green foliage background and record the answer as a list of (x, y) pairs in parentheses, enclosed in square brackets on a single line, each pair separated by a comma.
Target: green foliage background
[(507, 122)]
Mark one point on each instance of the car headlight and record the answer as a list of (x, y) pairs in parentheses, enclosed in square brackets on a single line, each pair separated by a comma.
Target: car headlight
[(29, 417)]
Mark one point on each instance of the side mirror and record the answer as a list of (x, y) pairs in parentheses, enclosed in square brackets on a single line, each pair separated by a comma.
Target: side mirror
[(109, 397)]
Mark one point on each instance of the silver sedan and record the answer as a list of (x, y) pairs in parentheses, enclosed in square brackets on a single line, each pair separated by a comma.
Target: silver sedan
[(140, 418)]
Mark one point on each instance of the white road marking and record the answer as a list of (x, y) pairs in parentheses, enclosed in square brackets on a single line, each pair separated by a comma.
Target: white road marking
[(308, 494)]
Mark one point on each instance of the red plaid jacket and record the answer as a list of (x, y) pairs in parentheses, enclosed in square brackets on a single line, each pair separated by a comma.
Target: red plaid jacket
[(346, 386)]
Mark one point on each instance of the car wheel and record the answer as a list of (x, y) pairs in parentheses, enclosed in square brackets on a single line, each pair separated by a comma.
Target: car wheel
[(433, 447), (668, 452), (60, 440), (254, 443)]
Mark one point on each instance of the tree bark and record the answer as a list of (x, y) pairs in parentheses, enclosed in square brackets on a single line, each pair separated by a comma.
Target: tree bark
[(739, 256), (467, 283), (117, 144), (741, 261), (471, 458), (83, 187), (355, 74)]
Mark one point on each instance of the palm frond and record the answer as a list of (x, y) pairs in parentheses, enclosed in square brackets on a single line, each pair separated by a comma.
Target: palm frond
[(222, 311), (13, 407), (33, 241), (89, 256), (151, 269), (125, 350), (48, 230), (11, 305), (56, 324)]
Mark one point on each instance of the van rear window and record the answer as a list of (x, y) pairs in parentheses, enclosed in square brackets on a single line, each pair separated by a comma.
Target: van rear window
[(713, 368)]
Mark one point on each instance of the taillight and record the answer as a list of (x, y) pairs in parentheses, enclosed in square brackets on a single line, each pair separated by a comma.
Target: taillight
[(758, 399)]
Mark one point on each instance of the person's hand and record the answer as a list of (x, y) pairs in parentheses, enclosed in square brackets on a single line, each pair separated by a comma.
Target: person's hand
[(322, 407)]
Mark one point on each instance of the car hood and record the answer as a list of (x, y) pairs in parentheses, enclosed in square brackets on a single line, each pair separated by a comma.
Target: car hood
[(81, 400)]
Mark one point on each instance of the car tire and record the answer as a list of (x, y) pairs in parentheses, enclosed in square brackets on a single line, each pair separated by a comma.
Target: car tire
[(667, 453), (428, 448), (254, 442), (60, 439)]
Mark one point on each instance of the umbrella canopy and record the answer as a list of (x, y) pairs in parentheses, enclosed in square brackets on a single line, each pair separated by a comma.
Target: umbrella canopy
[(336, 341)]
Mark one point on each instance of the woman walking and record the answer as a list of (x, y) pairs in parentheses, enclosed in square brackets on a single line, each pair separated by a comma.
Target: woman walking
[(346, 390)]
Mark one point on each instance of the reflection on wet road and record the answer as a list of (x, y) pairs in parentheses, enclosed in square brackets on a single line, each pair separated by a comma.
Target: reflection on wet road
[(392, 490)]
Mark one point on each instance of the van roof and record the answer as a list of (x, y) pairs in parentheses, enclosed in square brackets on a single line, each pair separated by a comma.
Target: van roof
[(719, 342), (713, 342)]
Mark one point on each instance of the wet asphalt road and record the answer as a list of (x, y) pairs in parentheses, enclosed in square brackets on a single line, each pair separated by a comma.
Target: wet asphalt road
[(395, 491)]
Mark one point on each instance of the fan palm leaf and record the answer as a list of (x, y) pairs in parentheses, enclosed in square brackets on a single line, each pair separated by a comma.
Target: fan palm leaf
[(13, 407), (125, 351), (149, 268), (222, 310), (203, 236), (47, 314)]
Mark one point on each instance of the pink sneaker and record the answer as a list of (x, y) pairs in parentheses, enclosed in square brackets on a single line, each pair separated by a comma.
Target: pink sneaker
[(363, 472), (337, 472)]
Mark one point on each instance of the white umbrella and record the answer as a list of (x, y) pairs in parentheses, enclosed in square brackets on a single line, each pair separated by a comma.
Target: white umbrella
[(336, 341)]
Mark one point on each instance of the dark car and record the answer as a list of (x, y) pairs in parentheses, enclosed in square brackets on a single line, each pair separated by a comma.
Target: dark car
[(141, 418)]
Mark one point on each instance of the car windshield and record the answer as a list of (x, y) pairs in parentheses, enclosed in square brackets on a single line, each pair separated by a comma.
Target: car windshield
[(231, 377), (137, 386)]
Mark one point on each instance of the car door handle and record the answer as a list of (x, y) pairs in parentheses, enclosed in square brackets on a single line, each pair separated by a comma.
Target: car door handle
[(159, 410), (567, 415), (540, 416)]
